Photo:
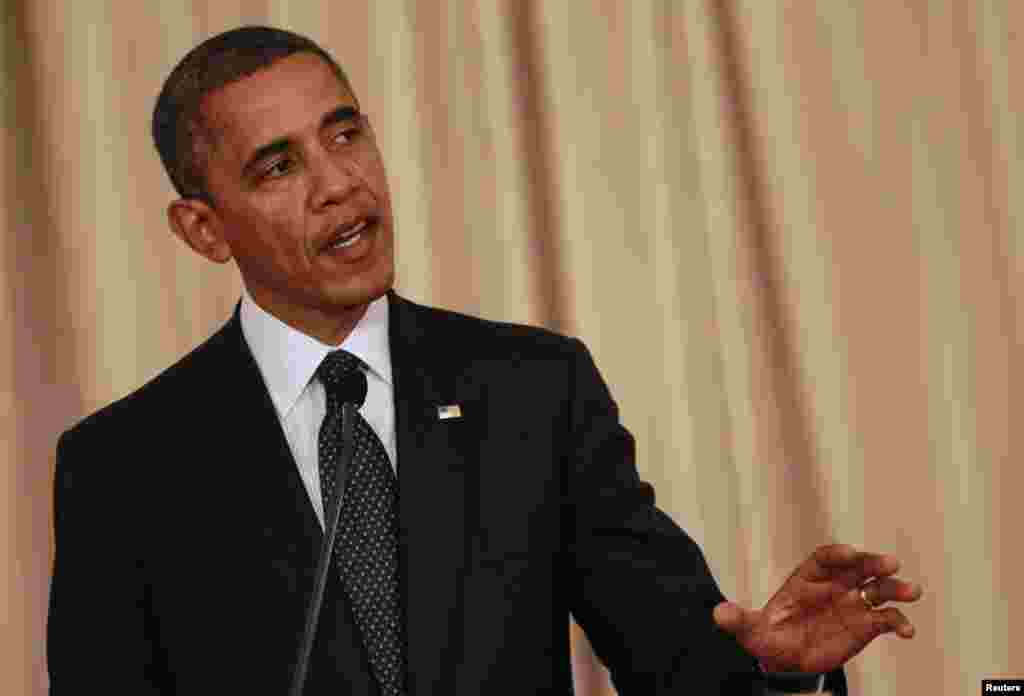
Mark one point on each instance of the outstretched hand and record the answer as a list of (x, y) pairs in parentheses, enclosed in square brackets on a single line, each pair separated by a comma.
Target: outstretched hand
[(819, 619)]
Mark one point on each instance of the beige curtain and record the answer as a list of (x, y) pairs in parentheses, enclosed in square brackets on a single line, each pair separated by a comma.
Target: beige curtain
[(786, 229)]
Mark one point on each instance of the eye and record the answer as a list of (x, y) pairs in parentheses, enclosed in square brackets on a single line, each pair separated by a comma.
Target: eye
[(277, 169), (346, 136)]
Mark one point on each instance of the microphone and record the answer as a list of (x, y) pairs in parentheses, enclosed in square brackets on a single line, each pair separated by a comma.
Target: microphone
[(331, 516)]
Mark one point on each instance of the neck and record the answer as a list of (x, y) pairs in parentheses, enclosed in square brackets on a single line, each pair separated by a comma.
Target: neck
[(329, 327)]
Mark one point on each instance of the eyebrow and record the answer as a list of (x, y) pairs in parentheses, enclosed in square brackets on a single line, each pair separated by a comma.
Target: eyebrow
[(342, 113)]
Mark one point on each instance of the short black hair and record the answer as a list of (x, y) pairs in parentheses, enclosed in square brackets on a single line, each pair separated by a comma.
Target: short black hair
[(179, 132)]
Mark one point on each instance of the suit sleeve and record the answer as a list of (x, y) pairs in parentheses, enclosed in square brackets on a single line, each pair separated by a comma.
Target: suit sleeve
[(100, 631), (641, 588)]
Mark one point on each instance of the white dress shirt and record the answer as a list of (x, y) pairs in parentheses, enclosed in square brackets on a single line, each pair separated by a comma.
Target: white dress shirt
[(288, 360)]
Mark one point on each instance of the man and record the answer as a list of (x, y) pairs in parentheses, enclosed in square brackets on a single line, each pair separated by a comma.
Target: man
[(189, 514)]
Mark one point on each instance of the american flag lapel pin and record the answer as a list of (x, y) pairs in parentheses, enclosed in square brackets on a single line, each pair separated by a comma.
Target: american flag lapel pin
[(452, 411)]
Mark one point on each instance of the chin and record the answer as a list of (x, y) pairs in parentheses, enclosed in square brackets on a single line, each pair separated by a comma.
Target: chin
[(365, 291)]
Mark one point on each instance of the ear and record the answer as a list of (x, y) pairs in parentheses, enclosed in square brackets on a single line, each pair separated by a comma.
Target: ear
[(197, 224)]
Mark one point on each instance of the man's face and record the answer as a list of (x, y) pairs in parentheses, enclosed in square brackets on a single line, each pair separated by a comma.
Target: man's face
[(294, 171)]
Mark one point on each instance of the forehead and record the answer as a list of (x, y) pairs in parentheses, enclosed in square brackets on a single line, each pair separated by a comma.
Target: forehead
[(286, 99)]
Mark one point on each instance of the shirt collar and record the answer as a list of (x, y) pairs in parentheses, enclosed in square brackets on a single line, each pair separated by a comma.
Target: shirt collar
[(288, 358)]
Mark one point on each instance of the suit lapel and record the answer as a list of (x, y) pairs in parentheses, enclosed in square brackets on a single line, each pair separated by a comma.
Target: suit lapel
[(437, 468), (272, 480)]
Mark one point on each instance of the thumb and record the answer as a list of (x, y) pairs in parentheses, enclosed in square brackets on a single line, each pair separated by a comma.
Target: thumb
[(732, 617)]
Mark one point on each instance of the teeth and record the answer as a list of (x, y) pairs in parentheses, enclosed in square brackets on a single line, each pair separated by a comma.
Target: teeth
[(347, 242), (350, 237)]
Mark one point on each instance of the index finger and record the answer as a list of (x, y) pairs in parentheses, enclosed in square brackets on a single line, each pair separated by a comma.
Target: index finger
[(843, 558)]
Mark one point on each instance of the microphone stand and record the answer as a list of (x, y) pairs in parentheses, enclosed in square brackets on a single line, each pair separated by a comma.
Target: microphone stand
[(331, 516)]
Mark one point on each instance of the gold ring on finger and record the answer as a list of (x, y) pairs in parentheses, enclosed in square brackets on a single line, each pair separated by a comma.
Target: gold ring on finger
[(867, 601)]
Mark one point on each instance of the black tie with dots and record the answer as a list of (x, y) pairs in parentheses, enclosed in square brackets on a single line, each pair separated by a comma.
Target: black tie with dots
[(366, 549)]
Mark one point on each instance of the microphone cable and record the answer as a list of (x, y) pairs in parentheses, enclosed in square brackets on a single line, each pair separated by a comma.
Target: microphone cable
[(331, 516)]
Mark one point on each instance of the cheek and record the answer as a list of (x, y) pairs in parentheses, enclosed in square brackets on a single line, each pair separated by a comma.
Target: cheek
[(379, 181), (379, 176), (372, 167), (277, 231)]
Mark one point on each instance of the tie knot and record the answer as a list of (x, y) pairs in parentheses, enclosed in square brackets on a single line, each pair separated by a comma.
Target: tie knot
[(342, 377)]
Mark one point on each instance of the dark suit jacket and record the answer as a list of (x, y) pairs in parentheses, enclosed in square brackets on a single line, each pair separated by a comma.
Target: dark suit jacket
[(186, 542)]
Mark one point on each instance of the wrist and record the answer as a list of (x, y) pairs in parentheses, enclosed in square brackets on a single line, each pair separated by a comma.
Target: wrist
[(784, 681), (774, 667)]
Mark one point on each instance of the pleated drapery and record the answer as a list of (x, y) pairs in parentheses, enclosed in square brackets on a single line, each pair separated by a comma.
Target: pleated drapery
[(800, 216)]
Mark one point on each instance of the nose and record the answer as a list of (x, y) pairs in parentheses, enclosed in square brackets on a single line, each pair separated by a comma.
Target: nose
[(334, 180)]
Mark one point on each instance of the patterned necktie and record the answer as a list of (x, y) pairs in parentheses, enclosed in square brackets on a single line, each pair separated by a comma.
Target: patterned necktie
[(366, 549)]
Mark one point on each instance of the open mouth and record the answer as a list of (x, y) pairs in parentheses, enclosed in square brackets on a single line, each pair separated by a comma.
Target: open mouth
[(349, 235)]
